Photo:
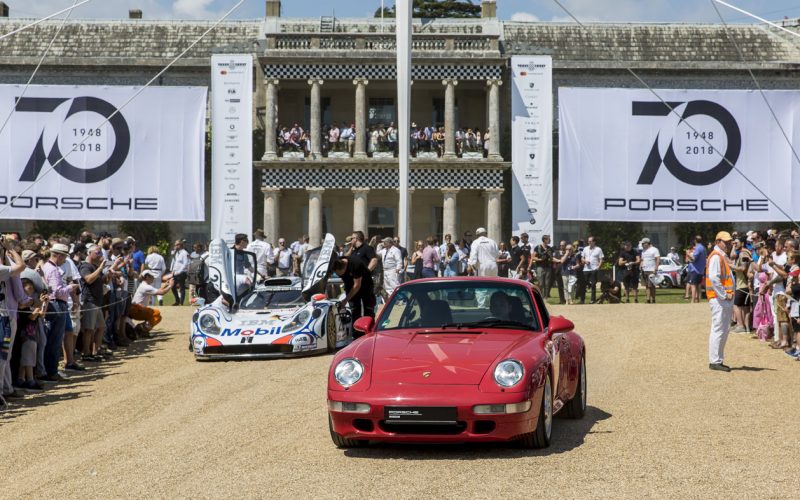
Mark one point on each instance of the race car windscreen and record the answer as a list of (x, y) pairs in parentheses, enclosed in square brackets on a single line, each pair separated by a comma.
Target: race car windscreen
[(459, 305), (272, 299)]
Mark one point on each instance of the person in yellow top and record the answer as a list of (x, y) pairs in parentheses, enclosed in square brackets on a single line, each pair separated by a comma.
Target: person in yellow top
[(720, 288)]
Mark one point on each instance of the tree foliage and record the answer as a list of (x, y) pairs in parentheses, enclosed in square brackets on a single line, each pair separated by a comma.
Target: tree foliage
[(610, 235), (436, 9), (146, 233), (48, 228)]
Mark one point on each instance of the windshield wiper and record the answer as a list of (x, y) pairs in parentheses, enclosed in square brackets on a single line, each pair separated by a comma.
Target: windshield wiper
[(497, 322)]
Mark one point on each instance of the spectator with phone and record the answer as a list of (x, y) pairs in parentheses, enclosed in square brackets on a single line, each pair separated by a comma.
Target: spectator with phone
[(58, 310), (11, 293)]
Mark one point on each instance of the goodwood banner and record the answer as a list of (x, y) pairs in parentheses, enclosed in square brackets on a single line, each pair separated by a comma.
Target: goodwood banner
[(532, 145), (232, 146), (143, 162), (623, 155)]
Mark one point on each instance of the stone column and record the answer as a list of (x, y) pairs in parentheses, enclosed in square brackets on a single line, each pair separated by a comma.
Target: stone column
[(316, 118), (361, 117), (272, 214), (450, 118), (494, 213), (449, 212), (270, 121), (494, 119), (360, 209), (315, 215)]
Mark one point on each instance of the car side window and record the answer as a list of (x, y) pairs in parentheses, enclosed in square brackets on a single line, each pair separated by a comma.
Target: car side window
[(542, 307)]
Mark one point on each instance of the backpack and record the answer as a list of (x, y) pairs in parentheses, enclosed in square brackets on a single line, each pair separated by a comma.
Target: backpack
[(195, 274)]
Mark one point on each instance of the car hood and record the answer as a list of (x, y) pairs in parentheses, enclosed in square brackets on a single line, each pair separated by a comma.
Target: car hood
[(458, 358)]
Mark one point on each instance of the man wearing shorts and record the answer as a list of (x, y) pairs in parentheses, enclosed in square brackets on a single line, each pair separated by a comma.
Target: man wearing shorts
[(628, 261), (651, 258), (697, 267), (742, 297), (92, 320)]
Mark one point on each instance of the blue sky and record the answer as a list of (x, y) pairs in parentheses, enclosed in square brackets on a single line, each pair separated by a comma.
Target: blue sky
[(542, 10)]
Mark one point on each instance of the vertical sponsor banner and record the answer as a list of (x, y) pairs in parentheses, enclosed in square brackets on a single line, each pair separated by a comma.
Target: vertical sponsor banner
[(231, 146), (90, 153), (532, 145), (705, 156)]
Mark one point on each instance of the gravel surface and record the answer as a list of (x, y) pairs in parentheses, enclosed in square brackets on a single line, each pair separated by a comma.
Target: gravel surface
[(155, 423)]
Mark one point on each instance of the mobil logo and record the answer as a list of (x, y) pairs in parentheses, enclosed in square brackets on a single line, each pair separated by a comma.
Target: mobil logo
[(239, 332)]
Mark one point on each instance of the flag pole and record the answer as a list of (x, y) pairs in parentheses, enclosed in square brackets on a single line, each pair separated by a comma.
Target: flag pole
[(403, 34)]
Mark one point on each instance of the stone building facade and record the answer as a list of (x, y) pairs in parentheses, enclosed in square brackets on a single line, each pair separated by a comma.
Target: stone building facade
[(318, 72)]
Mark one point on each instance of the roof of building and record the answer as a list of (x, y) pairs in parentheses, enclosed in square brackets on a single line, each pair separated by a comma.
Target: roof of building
[(700, 46)]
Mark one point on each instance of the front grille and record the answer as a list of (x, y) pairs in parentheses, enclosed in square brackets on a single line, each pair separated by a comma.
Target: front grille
[(443, 429), (250, 349)]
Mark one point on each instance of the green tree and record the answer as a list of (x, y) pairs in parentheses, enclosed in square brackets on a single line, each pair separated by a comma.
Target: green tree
[(610, 235), (146, 233), (435, 9), (48, 228)]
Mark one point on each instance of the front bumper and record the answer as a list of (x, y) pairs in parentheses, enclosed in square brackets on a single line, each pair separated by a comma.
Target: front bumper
[(468, 427)]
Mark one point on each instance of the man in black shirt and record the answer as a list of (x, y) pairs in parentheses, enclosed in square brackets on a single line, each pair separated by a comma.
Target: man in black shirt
[(627, 263), (357, 285), (363, 251), (516, 254), (542, 261), (525, 257), (92, 294)]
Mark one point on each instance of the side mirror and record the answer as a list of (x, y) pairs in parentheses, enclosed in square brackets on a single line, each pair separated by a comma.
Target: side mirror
[(560, 324), (364, 324)]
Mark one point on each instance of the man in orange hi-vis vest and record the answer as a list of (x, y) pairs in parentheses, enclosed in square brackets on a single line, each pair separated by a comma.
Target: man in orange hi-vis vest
[(720, 289)]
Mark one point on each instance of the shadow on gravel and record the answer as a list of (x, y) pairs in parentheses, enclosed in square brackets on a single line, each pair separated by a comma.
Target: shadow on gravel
[(750, 369), (79, 384), (567, 435)]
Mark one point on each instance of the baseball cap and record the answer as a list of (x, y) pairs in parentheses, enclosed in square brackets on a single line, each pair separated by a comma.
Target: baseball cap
[(148, 273), (480, 230), (724, 236), (645, 240)]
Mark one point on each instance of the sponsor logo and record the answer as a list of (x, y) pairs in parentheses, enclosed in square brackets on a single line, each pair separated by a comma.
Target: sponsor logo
[(82, 143), (705, 143), (228, 332)]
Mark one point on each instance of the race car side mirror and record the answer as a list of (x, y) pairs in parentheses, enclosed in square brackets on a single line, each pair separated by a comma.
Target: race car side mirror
[(560, 324), (364, 324)]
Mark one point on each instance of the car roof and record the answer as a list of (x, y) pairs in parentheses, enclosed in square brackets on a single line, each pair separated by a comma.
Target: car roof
[(477, 279)]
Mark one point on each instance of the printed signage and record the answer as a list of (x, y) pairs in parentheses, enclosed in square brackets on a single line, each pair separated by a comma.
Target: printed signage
[(231, 145), (532, 145), (700, 155), (79, 153)]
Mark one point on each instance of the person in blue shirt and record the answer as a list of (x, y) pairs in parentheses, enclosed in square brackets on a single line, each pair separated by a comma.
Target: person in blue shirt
[(136, 254), (696, 257)]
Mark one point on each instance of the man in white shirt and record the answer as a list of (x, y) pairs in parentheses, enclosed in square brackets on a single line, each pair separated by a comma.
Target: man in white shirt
[(283, 258), (650, 262), (392, 261), (263, 251), (483, 260), (179, 267), (443, 253), (139, 310), (673, 254), (720, 291), (593, 259)]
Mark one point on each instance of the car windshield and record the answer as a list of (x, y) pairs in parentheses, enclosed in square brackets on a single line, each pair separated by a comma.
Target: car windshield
[(274, 299), (459, 304)]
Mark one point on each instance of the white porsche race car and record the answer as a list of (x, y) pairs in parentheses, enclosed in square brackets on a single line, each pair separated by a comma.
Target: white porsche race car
[(280, 317)]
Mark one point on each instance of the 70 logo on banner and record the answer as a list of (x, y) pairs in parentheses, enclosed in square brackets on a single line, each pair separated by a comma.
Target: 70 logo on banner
[(105, 109), (670, 159)]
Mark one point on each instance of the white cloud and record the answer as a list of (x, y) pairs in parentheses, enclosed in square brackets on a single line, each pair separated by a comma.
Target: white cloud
[(524, 17), (192, 9)]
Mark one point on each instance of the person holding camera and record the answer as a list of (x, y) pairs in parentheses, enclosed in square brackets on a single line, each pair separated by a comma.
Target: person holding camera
[(11, 294), (542, 261), (628, 261), (57, 309)]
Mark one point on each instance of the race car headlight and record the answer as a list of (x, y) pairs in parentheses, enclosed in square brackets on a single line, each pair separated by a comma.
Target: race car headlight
[(209, 325), (508, 373), (298, 321), (348, 372)]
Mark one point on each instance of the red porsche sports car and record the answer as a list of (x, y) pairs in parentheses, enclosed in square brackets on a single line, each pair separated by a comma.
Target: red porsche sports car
[(456, 360)]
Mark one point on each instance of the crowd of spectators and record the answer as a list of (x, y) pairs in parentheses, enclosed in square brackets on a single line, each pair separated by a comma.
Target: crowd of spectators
[(68, 303), (380, 138)]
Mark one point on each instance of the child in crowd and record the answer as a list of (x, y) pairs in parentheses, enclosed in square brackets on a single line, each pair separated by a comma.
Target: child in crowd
[(762, 314), (783, 335), (27, 336)]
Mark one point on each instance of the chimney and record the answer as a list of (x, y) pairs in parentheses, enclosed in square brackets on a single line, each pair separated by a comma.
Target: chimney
[(273, 8), (135, 14), (488, 9), (3, 9)]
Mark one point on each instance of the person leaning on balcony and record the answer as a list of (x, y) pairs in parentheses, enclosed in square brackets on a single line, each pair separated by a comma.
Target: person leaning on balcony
[(333, 137), (348, 137)]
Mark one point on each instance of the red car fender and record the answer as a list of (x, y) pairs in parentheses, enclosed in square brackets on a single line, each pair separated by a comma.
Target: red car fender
[(534, 358), (362, 350), (577, 349)]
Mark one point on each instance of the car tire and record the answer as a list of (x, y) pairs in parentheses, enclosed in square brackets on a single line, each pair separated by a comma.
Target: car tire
[(540, 438), (330, 329), (576, 407), (666, 283), (342, 442)]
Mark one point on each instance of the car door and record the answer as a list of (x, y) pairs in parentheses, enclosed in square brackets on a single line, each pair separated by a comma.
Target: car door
[(560, 350), (318, 267)]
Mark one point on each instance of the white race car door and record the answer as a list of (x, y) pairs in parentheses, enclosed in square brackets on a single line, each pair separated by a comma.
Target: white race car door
[(231, 272), (317, 268)]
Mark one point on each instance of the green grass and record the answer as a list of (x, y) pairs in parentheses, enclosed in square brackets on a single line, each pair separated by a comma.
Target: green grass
[(663, 296)]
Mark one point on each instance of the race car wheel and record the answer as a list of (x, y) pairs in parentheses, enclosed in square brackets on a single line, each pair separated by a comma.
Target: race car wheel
[(330, 330), (341, 442), (540, 438), (576, 407), (665, 283)]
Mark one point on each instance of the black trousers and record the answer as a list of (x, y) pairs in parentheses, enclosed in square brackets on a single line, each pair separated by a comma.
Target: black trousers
[(179, 288), (590, 277), (560, 285), (363, 304)]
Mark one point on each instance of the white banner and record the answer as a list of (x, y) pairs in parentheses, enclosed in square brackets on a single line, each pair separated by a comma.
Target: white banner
[(624, 156), (231, 146), (532, 146), (144, 163)]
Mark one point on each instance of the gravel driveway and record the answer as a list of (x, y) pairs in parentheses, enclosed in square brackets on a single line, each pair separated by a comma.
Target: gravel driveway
[(154, 422)]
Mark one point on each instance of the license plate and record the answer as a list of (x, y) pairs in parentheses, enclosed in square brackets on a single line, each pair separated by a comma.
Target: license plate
[(407, 414)]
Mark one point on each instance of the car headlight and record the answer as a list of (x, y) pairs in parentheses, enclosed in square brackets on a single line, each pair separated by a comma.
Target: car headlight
[(348, 372), (298, 321), (508, 373), (208, 324)]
